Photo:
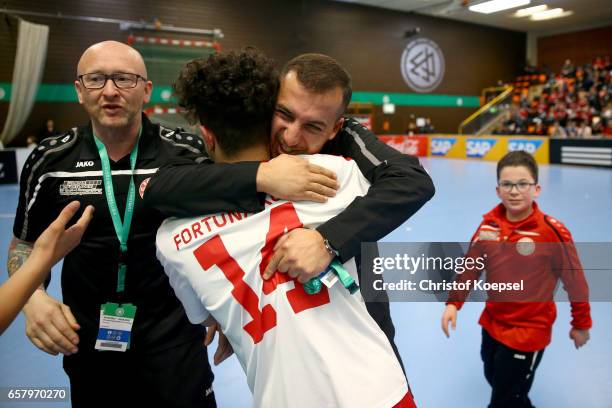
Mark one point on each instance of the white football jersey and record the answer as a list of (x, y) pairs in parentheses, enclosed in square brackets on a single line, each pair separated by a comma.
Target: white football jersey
[(297, 350)]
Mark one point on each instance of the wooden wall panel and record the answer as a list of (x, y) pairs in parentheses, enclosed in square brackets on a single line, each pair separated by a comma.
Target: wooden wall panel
[(580, 47)]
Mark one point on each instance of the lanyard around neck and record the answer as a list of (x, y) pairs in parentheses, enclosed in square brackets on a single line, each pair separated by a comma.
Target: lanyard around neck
[(122, 229)]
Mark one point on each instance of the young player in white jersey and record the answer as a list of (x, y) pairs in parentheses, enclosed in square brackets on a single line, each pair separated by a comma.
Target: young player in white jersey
[(297, 349)]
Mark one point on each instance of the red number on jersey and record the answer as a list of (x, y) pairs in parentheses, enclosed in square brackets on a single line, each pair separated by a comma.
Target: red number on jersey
[(282, 219), (213, 252)]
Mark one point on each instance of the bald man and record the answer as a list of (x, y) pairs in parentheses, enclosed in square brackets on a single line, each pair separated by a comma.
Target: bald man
[(119, 322)]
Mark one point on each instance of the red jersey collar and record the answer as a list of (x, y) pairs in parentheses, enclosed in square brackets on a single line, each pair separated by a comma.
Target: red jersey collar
[(497, 217)]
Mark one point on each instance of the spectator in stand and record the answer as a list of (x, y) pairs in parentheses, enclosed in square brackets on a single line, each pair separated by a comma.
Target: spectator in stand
[(411, 129), (572, 130), (608, 129), (561, 114), (31, 141), (584, 130), (424, 126), (558, 131), (549, 120), (539, 127), (429, 126), (577, 94), (597, 125), (607, 112), (48, 130)]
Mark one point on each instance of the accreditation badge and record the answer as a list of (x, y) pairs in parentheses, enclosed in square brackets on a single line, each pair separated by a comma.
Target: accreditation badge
[(329, 278), (115, 326)]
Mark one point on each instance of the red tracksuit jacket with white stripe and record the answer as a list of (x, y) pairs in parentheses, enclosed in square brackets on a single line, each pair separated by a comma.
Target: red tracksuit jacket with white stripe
[(527, 325)]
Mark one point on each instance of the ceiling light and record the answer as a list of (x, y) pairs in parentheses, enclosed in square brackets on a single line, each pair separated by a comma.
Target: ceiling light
[(493, 6), (549, 14), (530, 10)]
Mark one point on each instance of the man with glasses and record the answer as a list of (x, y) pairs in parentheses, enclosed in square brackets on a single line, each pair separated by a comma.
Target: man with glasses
[(521, 243), (119, 323)]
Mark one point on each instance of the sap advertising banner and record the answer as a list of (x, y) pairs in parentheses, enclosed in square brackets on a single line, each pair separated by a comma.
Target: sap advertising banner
[(538, 147), (452, 147), (490, 148), (493, 148)]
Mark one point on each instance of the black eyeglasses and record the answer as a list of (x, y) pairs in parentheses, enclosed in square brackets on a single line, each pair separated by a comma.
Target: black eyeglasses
[(122, 80), (521, 186)]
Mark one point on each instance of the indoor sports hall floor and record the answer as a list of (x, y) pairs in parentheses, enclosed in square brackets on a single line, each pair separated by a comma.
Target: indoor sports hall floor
[(442, 372)]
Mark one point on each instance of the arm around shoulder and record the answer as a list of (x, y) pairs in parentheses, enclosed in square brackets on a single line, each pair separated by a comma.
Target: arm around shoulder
[(185, 188), (400, 186)]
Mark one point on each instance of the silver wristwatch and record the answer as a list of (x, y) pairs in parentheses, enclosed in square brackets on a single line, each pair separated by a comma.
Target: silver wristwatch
[(330, 248)]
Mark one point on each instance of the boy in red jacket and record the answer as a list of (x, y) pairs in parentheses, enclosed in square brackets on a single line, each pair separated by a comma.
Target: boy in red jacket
[(514, 333)]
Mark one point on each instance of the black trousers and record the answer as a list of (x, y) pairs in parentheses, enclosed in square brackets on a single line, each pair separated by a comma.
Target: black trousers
[(179, 377), (509, 372)]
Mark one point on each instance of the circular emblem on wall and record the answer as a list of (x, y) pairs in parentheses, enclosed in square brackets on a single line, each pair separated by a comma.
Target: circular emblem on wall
[(422, 65)]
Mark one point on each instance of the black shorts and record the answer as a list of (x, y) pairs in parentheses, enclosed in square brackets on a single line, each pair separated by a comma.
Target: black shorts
[(179, 377)]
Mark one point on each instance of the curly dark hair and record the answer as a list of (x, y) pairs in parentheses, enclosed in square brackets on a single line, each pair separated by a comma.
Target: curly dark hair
[(232, 94)]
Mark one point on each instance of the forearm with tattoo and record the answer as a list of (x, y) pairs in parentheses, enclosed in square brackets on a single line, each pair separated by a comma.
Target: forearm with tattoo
[(18, 253)]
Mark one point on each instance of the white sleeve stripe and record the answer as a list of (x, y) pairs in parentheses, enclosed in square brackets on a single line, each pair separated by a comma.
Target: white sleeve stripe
[(167, 139), (94, 173), (33, 169), (67, 174), (368, 154), (533, 361)]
